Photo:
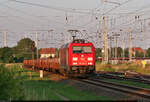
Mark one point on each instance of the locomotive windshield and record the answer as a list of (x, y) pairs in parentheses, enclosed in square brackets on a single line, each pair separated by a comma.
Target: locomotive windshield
[(82, 49)]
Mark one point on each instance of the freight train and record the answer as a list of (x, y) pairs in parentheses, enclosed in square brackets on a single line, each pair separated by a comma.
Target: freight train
[(76, 58)]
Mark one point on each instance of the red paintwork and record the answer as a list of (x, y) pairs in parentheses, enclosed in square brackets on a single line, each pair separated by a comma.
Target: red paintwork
[(66, 55), (65, 59), (82, 57)]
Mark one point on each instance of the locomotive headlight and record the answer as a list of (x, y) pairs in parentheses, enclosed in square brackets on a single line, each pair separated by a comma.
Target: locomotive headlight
[(90, 58), (90, 63), (75, 58), (74, 63)]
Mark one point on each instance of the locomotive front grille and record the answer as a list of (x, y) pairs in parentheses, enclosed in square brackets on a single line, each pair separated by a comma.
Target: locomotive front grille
[(82, 68)]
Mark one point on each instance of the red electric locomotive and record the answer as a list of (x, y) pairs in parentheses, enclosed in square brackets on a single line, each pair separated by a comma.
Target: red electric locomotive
[(77, 57)]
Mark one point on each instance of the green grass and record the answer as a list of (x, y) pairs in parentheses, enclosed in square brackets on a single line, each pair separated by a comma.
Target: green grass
[(104, 67), (123, 67), (39, 90), (131, 83), (10, 84), (36, 88), (46, 90), (74, 94)]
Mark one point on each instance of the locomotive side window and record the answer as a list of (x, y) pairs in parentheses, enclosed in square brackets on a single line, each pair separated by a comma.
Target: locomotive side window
[(82, 49)]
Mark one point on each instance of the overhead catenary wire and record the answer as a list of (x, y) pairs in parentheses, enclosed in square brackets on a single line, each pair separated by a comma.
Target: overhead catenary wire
[(73, 10), (92, 24), (37, 17)]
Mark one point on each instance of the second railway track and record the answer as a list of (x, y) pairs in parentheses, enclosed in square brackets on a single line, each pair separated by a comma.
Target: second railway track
[(140, 92), (117, 77)]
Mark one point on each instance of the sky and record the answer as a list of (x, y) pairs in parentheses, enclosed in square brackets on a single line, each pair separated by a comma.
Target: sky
[(52, 19)]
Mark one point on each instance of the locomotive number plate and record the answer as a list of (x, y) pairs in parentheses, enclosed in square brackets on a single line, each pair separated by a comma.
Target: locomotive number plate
[(82, 59)]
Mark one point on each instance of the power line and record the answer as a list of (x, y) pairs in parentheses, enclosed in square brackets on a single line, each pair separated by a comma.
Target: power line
[(116, 7), (51, 7), (109, 11), (37, 17)]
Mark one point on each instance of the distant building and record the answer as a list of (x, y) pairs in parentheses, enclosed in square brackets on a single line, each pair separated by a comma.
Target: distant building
[(138, 49), (47, 52)]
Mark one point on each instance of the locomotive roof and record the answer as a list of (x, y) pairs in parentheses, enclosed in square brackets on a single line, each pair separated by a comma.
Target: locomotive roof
[(67, 44)]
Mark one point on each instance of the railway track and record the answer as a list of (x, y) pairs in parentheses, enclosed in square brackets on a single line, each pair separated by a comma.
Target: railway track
[(140, 92), (121, 76)]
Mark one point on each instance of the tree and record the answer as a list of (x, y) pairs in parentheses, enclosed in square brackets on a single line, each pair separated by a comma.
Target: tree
[(127, 52), (148, 52), (98, 52), (10, 84), (119, 52), (139, 54), (6, 55), (24, 49)]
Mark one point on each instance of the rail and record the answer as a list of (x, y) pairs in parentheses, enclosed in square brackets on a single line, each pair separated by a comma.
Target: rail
[(142, 92), (115, 75)]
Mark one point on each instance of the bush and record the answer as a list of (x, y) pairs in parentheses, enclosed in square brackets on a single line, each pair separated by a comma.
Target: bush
[(10, 84)]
